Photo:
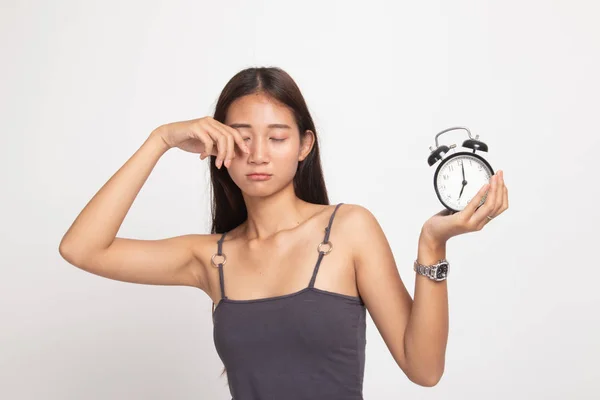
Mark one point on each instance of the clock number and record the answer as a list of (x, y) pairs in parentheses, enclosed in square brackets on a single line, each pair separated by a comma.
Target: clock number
[(450, 168), (445, 176)]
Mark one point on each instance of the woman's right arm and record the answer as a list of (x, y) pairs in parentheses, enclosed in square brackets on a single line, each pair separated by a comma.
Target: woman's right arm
[(91, 243)]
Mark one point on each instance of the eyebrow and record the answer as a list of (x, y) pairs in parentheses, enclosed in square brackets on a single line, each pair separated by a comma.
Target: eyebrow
[(282, 126)]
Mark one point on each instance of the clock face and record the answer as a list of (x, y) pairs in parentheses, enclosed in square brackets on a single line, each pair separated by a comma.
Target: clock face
[(442, 271), (459, 177)]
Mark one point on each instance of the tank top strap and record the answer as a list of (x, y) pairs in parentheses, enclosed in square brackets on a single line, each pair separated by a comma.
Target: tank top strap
[(325, 242), (220, 265)]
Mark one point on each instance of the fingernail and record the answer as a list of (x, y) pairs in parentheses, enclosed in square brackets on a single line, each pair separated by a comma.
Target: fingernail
[(227, 163)]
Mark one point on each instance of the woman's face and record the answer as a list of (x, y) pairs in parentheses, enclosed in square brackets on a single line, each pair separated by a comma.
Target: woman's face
[(270, 131)]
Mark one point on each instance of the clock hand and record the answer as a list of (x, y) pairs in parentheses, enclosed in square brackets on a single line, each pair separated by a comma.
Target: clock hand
[(464, 182)]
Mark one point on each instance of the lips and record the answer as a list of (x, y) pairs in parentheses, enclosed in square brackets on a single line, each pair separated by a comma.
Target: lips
[(256, 176)]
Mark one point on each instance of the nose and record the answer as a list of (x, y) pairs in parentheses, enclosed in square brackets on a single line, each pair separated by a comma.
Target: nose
[(258, 152)]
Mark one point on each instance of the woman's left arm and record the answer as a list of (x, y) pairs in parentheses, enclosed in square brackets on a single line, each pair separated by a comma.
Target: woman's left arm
[(426, 333), (415, 331)]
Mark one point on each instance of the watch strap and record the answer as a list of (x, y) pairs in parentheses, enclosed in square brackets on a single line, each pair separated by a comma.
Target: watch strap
[(430, 271)]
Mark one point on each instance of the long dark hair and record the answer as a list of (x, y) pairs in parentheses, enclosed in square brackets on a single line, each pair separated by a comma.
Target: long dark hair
[(228, 207)]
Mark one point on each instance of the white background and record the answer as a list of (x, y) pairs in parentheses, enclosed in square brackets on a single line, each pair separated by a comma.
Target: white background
[(84, 83)]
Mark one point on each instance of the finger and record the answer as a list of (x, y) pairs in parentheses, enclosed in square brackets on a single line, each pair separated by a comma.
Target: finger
[(504, 205), (499, 193), (230, 150), (481, 214), (209, 142), (219, 140), (501, 197), (474, 203), (504, 193), (499, 201), (206, 141), (239, 140), (221, 150), (229, 143)]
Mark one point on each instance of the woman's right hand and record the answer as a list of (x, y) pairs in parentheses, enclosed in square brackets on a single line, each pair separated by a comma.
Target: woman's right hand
[(205, 136)]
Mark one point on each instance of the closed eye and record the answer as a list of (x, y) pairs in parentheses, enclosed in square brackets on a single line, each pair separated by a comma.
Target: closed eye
[(273, 139)]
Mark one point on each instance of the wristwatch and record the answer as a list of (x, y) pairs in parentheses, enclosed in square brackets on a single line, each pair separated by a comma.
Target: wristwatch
[(436, 272)]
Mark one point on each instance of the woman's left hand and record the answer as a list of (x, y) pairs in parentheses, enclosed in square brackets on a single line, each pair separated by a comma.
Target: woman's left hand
[(444, 225)]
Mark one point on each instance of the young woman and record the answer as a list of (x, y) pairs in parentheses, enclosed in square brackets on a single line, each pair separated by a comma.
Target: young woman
[(291, 276)]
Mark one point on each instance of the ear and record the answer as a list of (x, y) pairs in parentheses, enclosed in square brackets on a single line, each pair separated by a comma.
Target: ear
[(306, 144)]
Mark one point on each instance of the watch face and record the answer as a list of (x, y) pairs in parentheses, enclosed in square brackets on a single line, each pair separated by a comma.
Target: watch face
[(442, 271), (459, 177)]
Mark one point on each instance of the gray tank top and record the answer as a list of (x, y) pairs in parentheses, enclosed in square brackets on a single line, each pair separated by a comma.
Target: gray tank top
[(304, 345)]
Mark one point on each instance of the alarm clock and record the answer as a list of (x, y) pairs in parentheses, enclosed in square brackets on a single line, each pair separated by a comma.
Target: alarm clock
[(459, 174)]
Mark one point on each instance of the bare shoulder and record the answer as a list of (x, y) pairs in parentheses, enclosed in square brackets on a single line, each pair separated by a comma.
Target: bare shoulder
[(356, 212), (357, 221), (360, 229)]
